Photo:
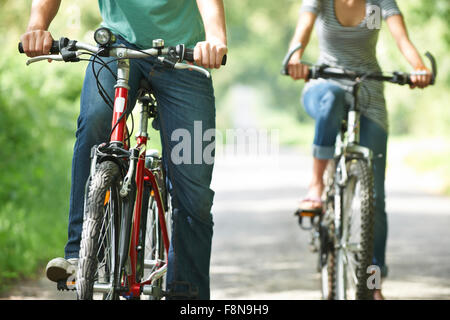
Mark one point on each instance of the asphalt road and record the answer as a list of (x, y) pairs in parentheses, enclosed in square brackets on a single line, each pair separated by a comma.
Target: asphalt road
[(259, 252)]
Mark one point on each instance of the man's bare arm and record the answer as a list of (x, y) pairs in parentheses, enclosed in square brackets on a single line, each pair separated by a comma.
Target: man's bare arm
[(209, 53), (37, 40)]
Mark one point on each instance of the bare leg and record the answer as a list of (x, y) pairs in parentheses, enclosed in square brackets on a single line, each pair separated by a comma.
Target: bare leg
[(377, 295), (316, 185)]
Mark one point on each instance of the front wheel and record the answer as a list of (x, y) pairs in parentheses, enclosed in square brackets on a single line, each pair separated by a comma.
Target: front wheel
[(98, 260), (327, 253), (354, 247)]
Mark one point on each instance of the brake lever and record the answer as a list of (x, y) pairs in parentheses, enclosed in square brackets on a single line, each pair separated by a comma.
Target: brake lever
[(182, 66), (54, 57)]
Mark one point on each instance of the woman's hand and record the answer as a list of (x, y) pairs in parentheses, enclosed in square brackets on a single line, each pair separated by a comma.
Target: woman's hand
[(421, 77), (297, 70)]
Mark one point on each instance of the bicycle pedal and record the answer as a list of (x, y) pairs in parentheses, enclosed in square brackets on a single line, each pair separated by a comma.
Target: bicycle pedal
[(308, 213), (64, 285)]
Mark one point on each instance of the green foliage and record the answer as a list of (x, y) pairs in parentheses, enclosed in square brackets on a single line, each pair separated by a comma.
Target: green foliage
[(427, 11), (258, 36), (38, 110), (36, 133)]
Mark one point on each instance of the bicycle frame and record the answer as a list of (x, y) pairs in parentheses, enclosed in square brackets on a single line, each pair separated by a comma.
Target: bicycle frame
[(349, 150), (138, 178), (138, 170)]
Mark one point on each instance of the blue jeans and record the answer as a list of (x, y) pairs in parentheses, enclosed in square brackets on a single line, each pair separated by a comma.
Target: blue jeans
[(325, 102), (183, 97)]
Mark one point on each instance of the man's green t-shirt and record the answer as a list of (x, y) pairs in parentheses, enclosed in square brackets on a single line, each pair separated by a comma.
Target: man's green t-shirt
[(141, 21)]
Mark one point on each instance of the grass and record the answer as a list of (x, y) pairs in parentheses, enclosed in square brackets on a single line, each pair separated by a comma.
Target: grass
[(32, 231)]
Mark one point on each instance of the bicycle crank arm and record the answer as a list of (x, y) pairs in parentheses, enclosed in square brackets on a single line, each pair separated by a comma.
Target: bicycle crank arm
[(153, 291)]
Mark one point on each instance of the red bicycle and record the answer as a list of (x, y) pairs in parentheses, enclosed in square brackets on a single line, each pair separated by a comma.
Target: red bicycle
[(125, 238)]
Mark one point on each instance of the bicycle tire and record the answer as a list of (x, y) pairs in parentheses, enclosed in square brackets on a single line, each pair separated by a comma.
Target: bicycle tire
[(327, 252), (98, 259), (327, 275), (355, 250)]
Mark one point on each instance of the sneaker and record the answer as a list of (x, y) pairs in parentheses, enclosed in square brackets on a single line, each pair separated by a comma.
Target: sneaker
[(60, 269)]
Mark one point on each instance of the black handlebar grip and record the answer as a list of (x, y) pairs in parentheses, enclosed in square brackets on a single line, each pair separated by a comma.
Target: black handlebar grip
[(53, 50), (21, 48), (311, 74), (408, 80), (189, 56)]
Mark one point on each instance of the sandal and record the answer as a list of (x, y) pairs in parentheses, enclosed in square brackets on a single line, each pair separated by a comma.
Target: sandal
[(316, 205)]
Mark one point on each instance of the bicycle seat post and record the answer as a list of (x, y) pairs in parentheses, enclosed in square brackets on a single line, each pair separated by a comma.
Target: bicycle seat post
[(145, 112), (148, 108)]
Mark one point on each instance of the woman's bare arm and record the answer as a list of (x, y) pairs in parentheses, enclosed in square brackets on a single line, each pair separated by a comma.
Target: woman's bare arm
[(302, 35), (398, 30)]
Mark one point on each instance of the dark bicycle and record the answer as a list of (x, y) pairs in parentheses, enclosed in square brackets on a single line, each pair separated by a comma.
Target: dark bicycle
[(343, 233)]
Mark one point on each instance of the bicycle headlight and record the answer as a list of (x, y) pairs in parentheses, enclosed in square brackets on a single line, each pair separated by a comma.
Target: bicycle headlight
[(104, 36)]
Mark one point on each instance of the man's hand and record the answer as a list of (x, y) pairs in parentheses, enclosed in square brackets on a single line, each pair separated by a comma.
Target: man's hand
[(36, 42), (209, 54)]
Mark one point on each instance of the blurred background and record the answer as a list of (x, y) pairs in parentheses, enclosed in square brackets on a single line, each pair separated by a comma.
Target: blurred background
[(39, 106)]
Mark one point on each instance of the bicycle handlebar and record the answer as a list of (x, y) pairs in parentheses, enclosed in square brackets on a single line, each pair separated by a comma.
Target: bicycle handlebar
[(67, 50), (327, 72), (188, 52)]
